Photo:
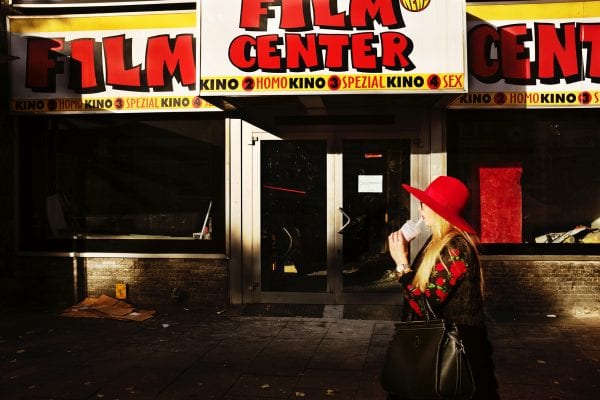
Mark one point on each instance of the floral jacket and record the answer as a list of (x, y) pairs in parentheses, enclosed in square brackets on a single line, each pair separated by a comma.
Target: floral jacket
[(454, 290)]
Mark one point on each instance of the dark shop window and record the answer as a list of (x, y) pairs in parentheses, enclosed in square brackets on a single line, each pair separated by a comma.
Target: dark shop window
[(149, 184), (535, 176)]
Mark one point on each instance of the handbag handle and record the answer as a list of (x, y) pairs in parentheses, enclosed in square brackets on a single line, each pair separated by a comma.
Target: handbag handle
[(428, 310)]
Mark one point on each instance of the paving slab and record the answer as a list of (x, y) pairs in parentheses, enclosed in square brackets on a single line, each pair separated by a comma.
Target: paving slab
[(186, 353)]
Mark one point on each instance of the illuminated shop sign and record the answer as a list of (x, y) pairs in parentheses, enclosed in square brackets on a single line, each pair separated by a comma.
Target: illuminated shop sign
[(255, 47), (94, 3), (533, 55), (104, 62)]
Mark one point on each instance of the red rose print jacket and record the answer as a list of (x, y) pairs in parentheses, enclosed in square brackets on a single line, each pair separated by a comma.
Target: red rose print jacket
[(453, 291)]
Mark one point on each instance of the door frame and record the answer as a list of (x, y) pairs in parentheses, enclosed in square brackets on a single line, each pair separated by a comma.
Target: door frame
[(417, 125)]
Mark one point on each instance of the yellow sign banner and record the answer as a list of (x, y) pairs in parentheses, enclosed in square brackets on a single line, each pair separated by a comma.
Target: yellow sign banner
[(527, 99), (334, 83), (533, 54), (112, 104)]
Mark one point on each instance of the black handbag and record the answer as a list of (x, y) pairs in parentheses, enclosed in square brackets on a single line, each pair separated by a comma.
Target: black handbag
[(426, 360)]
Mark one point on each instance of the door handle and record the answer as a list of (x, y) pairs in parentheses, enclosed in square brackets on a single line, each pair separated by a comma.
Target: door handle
[(347, 222)]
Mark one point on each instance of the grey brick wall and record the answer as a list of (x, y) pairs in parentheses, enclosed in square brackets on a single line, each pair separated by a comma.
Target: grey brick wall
[(513, 287), (160, 281), (521, 287), (48, 281)]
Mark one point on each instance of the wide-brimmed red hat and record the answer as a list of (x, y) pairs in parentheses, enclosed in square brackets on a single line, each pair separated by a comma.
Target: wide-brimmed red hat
[(446, 196)]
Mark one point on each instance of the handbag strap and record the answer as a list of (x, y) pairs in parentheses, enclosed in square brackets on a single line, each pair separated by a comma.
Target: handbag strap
[(427, 309)]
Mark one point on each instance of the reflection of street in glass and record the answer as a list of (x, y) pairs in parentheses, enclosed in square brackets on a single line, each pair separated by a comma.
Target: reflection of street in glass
[(579, 234)]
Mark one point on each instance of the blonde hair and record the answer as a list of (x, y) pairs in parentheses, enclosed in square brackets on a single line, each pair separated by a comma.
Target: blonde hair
[(442, 232)]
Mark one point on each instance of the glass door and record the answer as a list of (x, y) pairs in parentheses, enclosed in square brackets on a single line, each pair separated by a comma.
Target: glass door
[(293, 215), (325, 206), (374, 205)]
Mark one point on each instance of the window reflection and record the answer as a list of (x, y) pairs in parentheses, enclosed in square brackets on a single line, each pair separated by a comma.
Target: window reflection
[(536, 169), (293, 216), (122, 178)]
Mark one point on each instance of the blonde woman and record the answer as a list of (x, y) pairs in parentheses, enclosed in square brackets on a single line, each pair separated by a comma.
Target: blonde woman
[(448, 272)]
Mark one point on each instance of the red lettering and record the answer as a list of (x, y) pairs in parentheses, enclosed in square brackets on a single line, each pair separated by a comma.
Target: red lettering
[(165, 57), (315, 51), (452, 81), (178, 62), (395, 49), (326, 15), (386, 12), (364, 56), (293, 15), (516, 64), (254, 15), (590, 37), (552, 52), (301, 52), (40, 74), (336, 47), (83, 76), (119, 71), (239, 53), (558, 53), (481, 65), (267, 54)]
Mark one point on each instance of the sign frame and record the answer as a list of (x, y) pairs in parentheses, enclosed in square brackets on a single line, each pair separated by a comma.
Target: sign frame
[(260, 53), (152, 61), (519, 69), (90, 3)]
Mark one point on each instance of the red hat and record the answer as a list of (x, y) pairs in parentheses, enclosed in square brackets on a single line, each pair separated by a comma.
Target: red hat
[(446, 196)]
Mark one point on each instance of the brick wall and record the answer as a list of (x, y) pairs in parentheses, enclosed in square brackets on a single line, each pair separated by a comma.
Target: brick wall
[(162, 280), (48, 281), (521, 287), (40, 281), (513, 287)]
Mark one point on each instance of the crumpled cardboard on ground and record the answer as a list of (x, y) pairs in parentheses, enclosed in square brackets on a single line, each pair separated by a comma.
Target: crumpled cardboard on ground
[(107, 307)]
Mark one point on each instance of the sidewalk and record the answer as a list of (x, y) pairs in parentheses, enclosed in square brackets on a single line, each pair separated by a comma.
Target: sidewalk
[(192, 353)]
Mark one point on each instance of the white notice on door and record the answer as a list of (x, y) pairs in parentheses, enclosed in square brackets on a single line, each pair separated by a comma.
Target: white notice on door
[(370, 184)]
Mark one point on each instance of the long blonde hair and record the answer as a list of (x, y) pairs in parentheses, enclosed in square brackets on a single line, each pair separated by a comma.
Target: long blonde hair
[(442, 232)]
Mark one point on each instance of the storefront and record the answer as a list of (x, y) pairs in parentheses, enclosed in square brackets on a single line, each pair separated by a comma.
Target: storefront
[(285, 190), (345, 99), (121, 169), (524, 134)]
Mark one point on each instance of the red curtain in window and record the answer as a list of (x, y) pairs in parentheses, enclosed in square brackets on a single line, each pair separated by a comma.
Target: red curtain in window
[(501, 204)]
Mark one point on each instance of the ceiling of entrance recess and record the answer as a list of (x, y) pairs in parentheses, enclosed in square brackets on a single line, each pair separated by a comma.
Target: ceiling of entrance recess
[(272, 112)]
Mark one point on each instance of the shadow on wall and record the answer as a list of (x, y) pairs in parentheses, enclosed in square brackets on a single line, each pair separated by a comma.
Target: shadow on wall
[(40, 282), (522, 288), (49, 282)]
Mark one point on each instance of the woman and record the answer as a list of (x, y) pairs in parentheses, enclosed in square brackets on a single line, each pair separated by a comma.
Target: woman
[(448, 272)]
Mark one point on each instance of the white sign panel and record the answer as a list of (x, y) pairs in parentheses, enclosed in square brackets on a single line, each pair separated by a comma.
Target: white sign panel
[(252, 47), (135, 62), (91, 3), (533, 54)]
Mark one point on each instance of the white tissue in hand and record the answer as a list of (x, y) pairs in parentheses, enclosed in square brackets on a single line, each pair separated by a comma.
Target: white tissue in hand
[(411, 229)]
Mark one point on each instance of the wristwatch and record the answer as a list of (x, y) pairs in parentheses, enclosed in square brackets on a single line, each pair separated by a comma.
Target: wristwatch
[(403, 268)]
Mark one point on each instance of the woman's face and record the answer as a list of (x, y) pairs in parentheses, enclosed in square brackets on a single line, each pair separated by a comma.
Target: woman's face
[(427, 214)]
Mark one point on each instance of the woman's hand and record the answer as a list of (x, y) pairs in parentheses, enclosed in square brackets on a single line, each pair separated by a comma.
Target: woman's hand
[(398, 247)]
